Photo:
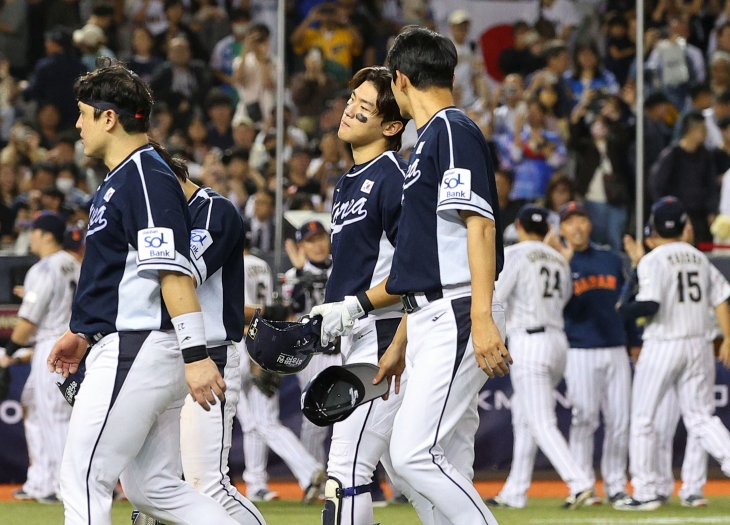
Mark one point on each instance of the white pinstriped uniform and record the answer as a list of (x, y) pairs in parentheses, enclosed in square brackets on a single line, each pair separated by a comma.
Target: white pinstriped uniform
[(534, 287), (49, 288), (258, 414), (676, 353)]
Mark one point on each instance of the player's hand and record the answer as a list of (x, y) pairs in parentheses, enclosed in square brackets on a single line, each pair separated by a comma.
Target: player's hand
[(491, 354), (553, 240), (67, 353), (338, 318), (296, 254), (724, 353), (635, 353), (392, 365), (205, 382), (634, 249)]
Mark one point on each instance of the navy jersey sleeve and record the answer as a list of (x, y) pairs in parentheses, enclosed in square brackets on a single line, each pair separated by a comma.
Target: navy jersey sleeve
[(216, 231), (465, 171), (156, 221), (390, 199)]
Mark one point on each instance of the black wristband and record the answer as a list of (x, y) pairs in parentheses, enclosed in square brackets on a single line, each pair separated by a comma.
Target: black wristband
[(365, 302), (194, 353), (12, 347)]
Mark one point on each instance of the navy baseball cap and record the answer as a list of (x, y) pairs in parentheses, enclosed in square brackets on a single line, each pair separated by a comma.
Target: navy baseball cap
[(74, 238), (51, 223), (572, 208), (310, 229), (668, 217), (534, 219), (337, 391)]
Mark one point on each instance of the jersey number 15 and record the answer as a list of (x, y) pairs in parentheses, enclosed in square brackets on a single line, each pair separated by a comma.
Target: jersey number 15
[(693, 286)]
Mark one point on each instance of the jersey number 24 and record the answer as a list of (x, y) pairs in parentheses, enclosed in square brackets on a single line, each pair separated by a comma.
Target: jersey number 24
[(555, 288)]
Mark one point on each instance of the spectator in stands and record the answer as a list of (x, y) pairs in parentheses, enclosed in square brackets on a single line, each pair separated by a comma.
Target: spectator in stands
[(180, 81), (298, 181), (54, 76), (174, 12), (211, 24), (70, 183), (254, 75), (588, 76), (508, 208), (700, 100), (90, 41), (560, 191), (563, 14), (52, 200), (197, 133), (230, 47), (713, 115), (61, 13), (310, 89), (509, 96), (532, 152), (552, 77), (620, 50), (8, 193), (520, 58), (143, 62), (14, 35), (23, 148), (64, 148), (219, 107), (602, 178), (722, 153), (687, 168), (151, 14), (262, 222), (657, 133), (722, 38), (469, 81), (326, 27), (48, 118), (334, 160), (359, 18), (247, 181), (244, 132), (720, 72)]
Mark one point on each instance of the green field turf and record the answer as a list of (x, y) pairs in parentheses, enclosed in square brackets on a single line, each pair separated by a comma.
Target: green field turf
[(539, 512)]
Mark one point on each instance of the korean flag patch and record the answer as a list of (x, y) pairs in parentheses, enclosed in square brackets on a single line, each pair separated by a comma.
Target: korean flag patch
[(200, 240), (155, 243), (455, 185), (367, 186), (108, 194)]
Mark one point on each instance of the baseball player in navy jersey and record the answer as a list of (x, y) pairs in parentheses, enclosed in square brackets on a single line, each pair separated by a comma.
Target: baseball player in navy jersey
[(534, 287), (44, 315), (677, 285), (136, 309), (694, 464), (598, 371), (258, 412), (446, 260), (311, 257), (365, 212)]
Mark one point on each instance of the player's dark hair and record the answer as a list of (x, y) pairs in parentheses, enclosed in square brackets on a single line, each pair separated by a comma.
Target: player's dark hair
[(117, 88), (385, 105), (691, 119), (535, 228), (425, 57)]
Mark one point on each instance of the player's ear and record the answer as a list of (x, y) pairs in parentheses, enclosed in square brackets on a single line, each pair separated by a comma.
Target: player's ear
[(110, 119), (391, 129)]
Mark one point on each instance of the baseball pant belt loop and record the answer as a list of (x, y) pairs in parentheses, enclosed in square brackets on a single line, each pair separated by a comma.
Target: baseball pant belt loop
[(414, 301), (536, 330)]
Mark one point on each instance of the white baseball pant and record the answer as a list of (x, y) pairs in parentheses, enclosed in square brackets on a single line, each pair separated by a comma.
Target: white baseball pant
[(312, 436), (259, 418), (126, 425), (46, 424), (694, 465), (539, 363), (443, 383), (689, 366), (205, 441), (599, 382)]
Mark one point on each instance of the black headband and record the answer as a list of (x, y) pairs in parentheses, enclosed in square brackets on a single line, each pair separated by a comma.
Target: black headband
[(104, 105)]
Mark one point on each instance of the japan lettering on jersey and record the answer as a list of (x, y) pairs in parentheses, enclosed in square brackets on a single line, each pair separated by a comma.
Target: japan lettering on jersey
[(49, 290), (450, 171), (534, 286), (685, 284), (365, 214), (216, 254), (138, 229), (258, 282)]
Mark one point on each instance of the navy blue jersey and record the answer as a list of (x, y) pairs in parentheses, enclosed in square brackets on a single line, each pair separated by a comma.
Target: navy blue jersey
[(139, 224), (216, 254), (591, 319), (365, 212), (450, 170)]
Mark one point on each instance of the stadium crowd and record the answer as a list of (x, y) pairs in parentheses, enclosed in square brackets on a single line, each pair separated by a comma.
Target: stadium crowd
[(560, 120)]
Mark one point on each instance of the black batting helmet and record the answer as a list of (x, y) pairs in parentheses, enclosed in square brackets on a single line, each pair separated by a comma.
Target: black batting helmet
[(284, 347)]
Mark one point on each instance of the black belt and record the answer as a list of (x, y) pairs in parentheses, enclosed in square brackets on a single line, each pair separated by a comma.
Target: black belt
[(409, 300), (538, 330), (92, 339)]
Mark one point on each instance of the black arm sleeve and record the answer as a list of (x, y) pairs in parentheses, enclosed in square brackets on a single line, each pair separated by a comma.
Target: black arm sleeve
[(636, 309)]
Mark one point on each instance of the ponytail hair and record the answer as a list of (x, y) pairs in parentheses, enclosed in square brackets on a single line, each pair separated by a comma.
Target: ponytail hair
[(178, 166)]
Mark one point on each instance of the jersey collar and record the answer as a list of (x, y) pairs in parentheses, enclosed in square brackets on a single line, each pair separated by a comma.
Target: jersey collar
[(146, 147), (423, 128), (359, 168)]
